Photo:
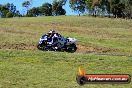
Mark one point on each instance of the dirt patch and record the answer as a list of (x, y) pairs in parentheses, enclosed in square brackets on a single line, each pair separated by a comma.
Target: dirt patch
[(90, 49), (80, 48), (84, 49), (105, 50), (20, 46)]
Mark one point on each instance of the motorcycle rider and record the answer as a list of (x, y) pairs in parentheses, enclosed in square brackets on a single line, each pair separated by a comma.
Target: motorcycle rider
[(52, 37)]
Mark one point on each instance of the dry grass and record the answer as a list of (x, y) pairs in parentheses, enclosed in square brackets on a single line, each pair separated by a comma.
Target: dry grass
[(104, 47), (102, 35)]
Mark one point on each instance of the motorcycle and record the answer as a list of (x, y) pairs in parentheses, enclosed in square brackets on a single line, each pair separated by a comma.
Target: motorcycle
[(60, 44)]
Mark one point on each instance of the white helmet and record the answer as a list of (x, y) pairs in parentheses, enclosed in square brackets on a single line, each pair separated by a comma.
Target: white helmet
[(51, 31)]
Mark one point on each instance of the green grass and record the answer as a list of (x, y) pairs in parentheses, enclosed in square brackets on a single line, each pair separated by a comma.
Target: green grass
[(23, 66)]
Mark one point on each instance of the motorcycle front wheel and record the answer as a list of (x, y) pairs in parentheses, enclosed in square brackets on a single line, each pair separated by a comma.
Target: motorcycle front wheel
[(71, 48)]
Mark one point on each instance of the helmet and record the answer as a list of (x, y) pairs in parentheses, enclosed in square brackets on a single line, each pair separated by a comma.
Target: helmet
[(51, 32)]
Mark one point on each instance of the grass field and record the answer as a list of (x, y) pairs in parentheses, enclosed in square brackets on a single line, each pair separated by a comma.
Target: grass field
[(104, 47)]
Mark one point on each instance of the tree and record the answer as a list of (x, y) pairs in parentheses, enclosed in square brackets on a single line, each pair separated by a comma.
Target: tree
[(57, 8), (108, 4), (8, 10), (3, 11), (117, 8), (78, 5), (63, 2), (33, 12), (128, 8), (89, 6), (60, 10), (46, 9), (12, 8), (26, 4), (9, 15), (54, 7), (17, 14)]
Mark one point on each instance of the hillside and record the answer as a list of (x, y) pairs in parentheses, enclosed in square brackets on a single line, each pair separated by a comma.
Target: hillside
[(104, 46)]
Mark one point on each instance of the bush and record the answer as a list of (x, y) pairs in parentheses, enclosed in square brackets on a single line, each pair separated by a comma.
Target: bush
[(9, 15)]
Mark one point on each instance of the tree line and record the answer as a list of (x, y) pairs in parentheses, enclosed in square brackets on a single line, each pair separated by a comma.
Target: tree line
[(115, 8), (56, 8), (47, 9), (8, 10)]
